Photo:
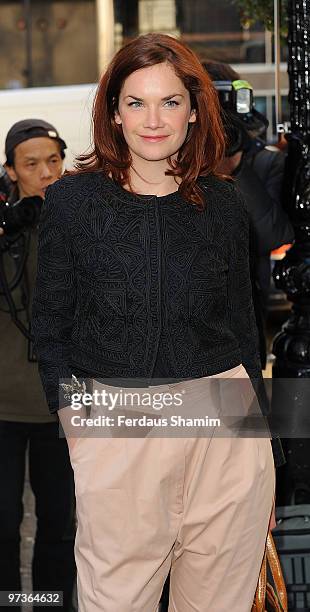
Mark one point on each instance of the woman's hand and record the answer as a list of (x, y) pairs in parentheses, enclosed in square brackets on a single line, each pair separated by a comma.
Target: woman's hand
[(71, 432), (272, 521)]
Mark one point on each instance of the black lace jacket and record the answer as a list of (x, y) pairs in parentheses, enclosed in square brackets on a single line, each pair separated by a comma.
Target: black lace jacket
[(122, 278)]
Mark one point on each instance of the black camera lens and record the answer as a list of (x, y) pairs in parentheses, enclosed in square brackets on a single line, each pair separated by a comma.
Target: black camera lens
[(23, 214)]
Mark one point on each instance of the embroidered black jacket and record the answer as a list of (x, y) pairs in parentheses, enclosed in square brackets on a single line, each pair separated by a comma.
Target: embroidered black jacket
[(122, 277)]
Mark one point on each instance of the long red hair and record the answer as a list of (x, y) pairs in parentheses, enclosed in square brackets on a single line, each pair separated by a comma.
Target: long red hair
[(204, 145)]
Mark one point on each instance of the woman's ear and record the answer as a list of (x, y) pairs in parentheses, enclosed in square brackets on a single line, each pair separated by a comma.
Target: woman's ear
[(117, 117), (193, 116)]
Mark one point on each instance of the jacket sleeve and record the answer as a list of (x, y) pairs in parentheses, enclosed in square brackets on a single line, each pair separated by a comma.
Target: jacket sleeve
[(241, 310), (54, 297), (240, 302)]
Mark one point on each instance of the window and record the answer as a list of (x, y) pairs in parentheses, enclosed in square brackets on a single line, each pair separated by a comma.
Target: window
[(58, 49)]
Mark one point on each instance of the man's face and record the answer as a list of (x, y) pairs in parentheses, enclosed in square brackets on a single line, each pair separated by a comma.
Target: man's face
[(37, 164)]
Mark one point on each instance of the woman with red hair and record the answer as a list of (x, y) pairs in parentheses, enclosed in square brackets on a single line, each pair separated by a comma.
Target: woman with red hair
[(143, 277)]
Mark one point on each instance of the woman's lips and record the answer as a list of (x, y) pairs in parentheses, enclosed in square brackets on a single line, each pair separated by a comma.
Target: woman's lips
[(153, 138)]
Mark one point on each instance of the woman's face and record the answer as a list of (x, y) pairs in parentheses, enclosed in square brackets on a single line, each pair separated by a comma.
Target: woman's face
[(154, 111)]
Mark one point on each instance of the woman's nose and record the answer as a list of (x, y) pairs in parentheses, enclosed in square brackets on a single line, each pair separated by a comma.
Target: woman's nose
[(153, 118)]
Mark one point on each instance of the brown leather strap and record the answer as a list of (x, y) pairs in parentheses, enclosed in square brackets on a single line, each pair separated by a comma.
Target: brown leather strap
[(276, 598), (276, 571)]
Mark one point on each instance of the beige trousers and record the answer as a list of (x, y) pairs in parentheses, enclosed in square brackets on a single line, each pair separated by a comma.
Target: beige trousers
[(200, 506)]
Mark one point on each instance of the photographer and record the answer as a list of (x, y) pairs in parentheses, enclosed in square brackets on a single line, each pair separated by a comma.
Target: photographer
[(34, 160), (258, 171)]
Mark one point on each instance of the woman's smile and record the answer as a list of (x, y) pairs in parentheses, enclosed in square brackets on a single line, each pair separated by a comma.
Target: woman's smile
[(153, 138)]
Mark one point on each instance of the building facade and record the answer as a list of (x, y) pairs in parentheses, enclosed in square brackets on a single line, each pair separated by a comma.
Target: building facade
[(67, 42)]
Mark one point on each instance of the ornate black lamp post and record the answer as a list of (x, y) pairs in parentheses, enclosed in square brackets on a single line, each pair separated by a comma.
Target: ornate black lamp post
[(291, 346)]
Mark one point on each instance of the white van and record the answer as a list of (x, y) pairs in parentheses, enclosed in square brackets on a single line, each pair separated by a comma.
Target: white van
[(68, 108)]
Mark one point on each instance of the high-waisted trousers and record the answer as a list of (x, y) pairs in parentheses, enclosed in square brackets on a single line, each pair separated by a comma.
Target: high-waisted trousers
[(198, 506)]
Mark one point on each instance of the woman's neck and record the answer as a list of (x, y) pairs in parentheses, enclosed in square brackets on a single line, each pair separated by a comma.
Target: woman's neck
[(150, 179)]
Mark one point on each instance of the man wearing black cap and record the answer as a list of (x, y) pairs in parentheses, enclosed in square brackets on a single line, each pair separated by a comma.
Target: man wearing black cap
[(34, 153), (34, 160)]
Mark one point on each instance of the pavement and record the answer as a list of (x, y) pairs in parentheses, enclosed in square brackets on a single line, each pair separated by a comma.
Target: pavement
[(27, 534)]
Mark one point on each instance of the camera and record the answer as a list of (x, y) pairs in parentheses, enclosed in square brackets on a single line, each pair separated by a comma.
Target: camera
[(5, 184), (21, 215), (15, 219), (235, 96), (243, 124)]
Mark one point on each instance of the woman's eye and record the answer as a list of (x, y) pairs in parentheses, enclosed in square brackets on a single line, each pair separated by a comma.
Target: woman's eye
[(135, 104), (172, 103)]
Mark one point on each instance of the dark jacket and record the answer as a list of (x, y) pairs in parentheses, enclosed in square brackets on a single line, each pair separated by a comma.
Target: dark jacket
[(21, 395), (122, 276), (260, 179)]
